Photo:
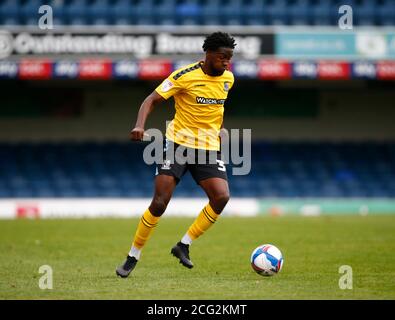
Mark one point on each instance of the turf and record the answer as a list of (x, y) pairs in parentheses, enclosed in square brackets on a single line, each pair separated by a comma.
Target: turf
[(83, 255)]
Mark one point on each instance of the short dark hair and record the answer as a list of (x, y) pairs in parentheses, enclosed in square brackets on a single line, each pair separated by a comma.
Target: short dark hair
[(217, 40)]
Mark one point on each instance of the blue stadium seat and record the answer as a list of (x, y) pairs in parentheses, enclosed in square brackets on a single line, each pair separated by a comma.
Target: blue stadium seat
[(277, 12), (144, 12), (76, 12), (99, 12), (5, 193), (385, 13), (189, 12), (278, 170), (365, 13), (123, 12), (111, 193), (23, 193), (253, 13), (300, 13), (46, 193), (321, 12), (211, 12), (198, 12), (10, 12), (29, 12), (59, 11), (232, 13), (165, 12), (88, 192)]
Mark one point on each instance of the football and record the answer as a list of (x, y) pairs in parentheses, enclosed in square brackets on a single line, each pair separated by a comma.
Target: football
[(267, 260)]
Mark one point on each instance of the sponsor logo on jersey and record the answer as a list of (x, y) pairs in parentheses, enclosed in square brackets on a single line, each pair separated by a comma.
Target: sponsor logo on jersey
[(203, 100)]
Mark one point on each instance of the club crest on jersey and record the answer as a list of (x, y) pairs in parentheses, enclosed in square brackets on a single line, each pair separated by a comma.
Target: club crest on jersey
[(167, 85), (226, 86)]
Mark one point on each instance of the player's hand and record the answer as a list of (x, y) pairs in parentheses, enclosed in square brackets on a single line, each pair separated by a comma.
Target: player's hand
[(137, 134)]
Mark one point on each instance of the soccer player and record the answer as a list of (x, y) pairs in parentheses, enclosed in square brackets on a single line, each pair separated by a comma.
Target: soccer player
[(200, 91)]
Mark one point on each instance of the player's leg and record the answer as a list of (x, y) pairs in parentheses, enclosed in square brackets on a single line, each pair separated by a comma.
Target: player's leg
[(217, 191), (213, 179), (164, 187)]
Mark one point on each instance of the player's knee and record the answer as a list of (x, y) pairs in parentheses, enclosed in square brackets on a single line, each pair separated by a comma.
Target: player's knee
[(220, 200), (224, 198), (158, 206)]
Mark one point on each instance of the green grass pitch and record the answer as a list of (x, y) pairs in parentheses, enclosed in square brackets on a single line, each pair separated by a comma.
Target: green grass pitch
[(84, 253)]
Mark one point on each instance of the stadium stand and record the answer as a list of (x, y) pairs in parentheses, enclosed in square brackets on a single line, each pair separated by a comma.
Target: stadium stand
[(279, 169), (198, 12)]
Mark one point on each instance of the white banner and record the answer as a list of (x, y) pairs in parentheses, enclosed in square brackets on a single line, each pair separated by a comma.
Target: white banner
[(124, 208)]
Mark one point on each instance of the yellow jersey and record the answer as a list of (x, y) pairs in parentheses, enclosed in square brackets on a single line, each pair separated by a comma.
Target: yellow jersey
[(199, 105)]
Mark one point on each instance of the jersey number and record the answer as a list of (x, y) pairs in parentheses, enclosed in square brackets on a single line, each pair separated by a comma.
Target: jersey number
[(221, 165)]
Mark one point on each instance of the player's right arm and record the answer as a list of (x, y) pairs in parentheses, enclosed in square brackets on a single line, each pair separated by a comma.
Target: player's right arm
[(169, 87), (137, 133)]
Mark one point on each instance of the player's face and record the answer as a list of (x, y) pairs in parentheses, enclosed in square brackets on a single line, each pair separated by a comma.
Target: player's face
[(220, 60)]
